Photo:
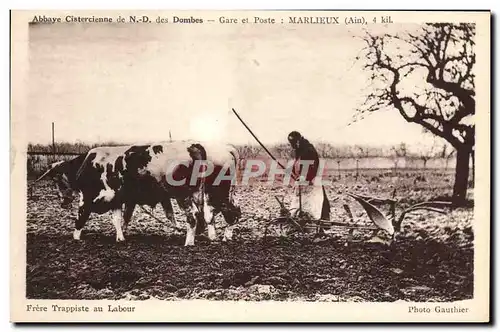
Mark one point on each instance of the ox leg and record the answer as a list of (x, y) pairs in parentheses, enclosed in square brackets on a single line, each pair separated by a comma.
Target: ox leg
[(190, 230), (83, 216), (209, 213), (117, 222), (169, 212), (228, 233), (127, 215), (231, 215), (191, 212)]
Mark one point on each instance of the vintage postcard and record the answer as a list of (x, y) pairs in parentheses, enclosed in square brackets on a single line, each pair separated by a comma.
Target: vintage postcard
[(250, 166)]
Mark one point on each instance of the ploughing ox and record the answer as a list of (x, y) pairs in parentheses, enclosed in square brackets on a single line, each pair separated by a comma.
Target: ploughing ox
[(200, 176)]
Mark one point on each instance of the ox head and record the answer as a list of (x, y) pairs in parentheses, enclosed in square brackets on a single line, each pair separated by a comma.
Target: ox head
[(232, 213), (197, 152), (58, 172)]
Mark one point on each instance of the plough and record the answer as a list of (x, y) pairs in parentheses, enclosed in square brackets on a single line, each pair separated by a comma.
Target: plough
[(390, 225), (300, 222)]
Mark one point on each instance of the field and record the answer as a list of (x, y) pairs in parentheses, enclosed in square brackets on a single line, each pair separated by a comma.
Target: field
[(431, 259)]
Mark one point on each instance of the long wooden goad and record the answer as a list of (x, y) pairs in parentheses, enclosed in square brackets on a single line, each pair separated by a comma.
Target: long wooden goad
[(262, 145)]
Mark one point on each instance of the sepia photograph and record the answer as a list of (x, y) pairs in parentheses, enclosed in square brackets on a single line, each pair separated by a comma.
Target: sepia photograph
[(240, 157)]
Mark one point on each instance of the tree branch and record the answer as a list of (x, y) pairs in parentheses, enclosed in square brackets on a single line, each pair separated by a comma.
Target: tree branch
[(439, 114)]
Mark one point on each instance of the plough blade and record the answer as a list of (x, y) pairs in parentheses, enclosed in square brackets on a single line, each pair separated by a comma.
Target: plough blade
[(375, 215)]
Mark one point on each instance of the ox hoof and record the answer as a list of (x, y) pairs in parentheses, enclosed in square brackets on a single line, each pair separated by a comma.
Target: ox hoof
[(228, 235), (212, 235), (77, 234), (190, 236), (189, 241), (120, 239)]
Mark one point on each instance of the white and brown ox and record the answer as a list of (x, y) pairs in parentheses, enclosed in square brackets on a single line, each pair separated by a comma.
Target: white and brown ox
[(197, 175)]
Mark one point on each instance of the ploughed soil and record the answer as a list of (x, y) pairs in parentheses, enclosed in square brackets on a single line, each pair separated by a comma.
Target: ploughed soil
[(430, 260)]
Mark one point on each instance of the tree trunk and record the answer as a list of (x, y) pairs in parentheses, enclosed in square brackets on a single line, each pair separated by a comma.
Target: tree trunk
[(461, 176), (473, 156)]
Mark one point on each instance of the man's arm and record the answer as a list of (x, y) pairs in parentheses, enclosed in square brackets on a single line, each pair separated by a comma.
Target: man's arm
[(296, 160)]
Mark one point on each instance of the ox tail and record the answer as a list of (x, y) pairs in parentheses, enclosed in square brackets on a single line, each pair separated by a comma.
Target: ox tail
[(236, 158), (197, 152), (53, 169), (44, 175)]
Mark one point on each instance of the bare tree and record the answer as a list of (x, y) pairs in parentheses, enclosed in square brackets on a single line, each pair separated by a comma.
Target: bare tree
[(246, 152), (435, 64), (282, 150), (425, 153), (360, 152), (249, 151), (399, 151), (325, 150), (425, 158), (446, 154)]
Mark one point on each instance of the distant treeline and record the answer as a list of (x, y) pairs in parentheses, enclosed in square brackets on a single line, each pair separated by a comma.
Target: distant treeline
[(330, 151), (325, 150), (65, 147)]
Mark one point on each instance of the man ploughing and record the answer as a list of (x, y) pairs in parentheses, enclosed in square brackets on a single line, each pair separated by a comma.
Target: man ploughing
[(310, 195)]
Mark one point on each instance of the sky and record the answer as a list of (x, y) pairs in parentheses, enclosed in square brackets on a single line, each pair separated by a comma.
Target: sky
[(134, 83)]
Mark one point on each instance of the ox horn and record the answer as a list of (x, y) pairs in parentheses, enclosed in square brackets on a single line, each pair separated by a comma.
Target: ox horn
[(51, 169)]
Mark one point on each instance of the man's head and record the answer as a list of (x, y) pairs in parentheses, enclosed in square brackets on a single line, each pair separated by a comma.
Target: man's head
[(294, 139), (64, 190)]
